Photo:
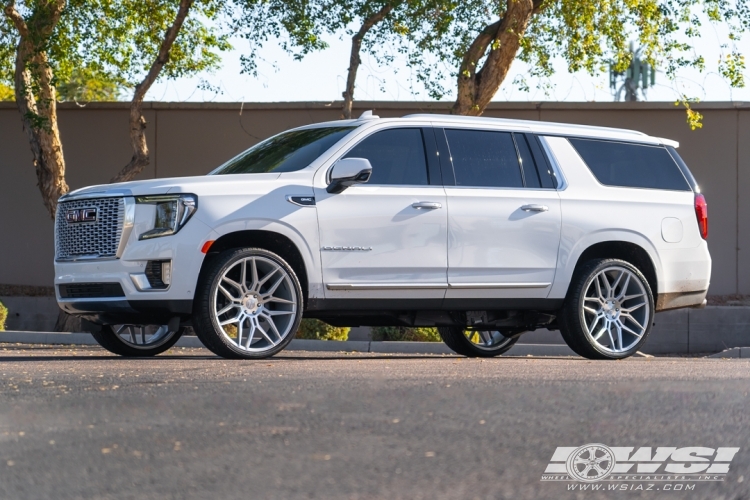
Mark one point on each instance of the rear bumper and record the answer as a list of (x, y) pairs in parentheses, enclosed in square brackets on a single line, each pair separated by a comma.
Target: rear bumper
[(123, 311), (678, 300)]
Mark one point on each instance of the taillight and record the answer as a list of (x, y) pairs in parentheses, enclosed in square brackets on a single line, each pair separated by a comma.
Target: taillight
[(701, 212)]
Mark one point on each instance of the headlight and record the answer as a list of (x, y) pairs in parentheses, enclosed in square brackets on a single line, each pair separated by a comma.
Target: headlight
[(172, 212)]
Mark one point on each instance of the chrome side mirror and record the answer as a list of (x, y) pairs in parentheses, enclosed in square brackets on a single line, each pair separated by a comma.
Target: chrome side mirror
[(347, 172)]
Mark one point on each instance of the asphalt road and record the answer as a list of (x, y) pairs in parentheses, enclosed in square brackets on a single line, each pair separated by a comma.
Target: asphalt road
[(76, 423)]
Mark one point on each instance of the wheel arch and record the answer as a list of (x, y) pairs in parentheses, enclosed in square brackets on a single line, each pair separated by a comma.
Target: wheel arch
[(272, 241), (623, 250)]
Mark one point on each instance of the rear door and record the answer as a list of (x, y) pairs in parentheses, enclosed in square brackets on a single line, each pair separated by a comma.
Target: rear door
[(504, 215)]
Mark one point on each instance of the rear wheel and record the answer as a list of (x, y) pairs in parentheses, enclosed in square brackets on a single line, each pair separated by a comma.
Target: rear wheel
[(137, 340), (476, 343), (609, 310), (248, 305)]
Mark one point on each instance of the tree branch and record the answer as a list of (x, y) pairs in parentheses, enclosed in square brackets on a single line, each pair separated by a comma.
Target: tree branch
[(13, 15), (137, 121), (477, 86), (354, 59)]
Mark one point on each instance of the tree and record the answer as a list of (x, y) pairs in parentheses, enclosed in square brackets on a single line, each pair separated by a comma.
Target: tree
[(478, 40), (35, 93), (43, 42), (190, 54), (371, 15)]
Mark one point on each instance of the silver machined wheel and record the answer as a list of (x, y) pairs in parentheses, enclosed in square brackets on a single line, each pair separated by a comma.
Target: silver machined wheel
[(255, 304), (615, 310), (143, 336), (488, 340)]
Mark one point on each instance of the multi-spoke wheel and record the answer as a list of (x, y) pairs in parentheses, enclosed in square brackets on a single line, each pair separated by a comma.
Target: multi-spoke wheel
[(609, 310), (137, 340), (476, 343), (248, 304)]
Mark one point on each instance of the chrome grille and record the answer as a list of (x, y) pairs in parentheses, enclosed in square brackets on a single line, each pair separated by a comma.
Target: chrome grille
[(99, 239)]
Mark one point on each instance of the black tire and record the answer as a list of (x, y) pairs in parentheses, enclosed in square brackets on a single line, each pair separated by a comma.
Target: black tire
[(454, 337), (207, 326), (108, 339), (572, 318)]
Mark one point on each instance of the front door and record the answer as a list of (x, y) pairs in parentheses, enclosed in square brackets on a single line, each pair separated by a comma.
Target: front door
[(504, 217), (387, 238)]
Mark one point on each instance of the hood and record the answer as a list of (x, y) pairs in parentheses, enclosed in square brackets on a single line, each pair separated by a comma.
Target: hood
[(206, 184)]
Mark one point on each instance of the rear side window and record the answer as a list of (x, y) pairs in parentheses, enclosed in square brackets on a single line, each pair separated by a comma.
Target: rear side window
[(397, 156), (483, 158), (631, 165)]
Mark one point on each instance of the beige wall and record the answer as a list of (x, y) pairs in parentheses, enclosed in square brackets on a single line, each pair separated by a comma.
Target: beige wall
[(191, 139)]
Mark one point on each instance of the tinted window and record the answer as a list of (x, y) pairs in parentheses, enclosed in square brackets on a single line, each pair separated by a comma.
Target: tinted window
[(396, 155), (631, 165), (530, 174), (285, 152), (684, 168), (484, 158)]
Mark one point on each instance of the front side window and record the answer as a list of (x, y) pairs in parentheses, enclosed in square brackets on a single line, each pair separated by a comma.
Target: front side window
[(631, 165), (397, 157), (286, 152), (483, 158)]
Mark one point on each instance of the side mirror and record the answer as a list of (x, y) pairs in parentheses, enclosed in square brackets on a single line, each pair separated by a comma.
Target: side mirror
[(348, 172)]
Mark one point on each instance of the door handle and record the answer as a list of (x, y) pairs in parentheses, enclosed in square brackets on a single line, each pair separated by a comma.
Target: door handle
[(535, 208), (430, 205)]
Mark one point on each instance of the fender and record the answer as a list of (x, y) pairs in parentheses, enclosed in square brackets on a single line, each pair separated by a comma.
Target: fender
[(568, 256)]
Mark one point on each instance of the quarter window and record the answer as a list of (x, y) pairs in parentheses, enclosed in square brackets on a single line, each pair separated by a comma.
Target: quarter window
[(483, 158), (631, 165), (397, 156)]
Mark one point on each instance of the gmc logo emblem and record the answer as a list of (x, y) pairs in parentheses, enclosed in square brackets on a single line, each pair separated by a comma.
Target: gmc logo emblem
[(81, 215)]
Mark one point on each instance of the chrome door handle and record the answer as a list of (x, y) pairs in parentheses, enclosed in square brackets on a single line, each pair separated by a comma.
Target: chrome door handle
[(431, 205), (535, 208)]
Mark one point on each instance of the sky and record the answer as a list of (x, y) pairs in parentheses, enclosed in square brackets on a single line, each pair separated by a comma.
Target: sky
[(321, 76)]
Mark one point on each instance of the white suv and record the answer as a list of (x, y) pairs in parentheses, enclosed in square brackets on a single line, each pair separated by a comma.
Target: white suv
[(485, 228)]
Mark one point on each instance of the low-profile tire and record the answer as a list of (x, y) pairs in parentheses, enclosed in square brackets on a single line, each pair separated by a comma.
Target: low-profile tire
[(248, 304), (137, 341), (609, 310), (476, 344)]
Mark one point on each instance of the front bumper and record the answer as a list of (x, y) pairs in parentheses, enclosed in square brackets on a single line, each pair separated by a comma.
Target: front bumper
[(122, 311), (156, 306)]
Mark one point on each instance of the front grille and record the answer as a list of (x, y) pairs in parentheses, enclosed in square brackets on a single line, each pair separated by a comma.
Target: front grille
[(97, 239), (90, 291)]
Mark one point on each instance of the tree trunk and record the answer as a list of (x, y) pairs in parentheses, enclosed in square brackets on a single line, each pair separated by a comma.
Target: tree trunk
[(477, 86), (137, 121), (355, 61), (39, 112)]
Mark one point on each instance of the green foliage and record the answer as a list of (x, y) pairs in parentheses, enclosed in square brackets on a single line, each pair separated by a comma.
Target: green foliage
[(6, 93), (588, 36), (3, 316), (98, 47), (85, 87), (314, 329), (405, 334)]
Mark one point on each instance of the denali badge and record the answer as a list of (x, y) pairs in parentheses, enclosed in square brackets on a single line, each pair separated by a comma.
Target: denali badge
[(347, 249), (81, 215)]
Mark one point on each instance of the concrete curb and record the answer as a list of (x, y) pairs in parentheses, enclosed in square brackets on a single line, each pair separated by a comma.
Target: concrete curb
[(299, 344), (735, 352)]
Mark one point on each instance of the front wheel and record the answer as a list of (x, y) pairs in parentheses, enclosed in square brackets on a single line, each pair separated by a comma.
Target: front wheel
[(248, 304), (136, 341), (476, 343), (609, 310)]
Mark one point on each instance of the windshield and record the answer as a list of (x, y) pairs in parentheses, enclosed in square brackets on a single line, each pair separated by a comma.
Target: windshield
[(287, 152)]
